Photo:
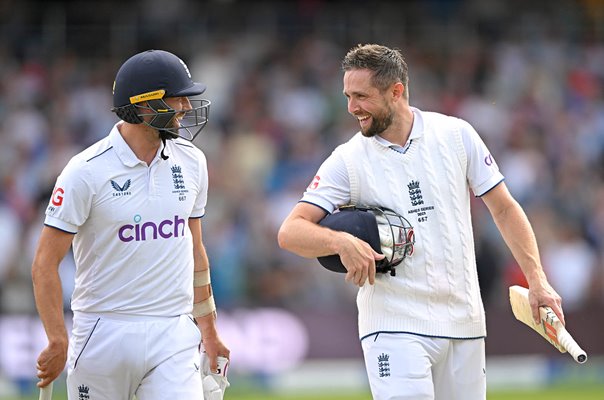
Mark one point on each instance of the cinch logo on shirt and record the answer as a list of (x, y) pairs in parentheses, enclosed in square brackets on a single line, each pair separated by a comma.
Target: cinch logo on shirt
[(150, 230)]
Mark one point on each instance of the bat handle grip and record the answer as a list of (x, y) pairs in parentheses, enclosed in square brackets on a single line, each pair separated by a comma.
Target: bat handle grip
[(46, 392), (567, 341)]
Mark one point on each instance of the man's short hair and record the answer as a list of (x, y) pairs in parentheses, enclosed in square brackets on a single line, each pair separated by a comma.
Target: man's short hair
[(388, 65)]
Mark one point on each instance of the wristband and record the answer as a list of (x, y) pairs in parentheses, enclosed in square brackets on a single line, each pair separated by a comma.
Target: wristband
[(204, 307), (201, 278)]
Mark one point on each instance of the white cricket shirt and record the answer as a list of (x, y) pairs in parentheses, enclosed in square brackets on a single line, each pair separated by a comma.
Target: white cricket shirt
[(330, 187), (133, 247), (435, 291)]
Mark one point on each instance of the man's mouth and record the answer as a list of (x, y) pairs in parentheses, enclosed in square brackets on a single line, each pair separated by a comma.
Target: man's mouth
[(364, 120)]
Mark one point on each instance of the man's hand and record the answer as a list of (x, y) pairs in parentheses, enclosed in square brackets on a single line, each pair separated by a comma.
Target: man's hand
[(213, 347), (214, 359), (542, 294), (359, 259), (51, 362)]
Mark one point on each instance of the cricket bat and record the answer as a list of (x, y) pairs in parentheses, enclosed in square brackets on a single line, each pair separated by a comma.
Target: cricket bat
[(46, 392), (549, 327)]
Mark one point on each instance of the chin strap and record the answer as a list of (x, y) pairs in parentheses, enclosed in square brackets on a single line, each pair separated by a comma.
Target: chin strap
[(165, 135), (163, 155)]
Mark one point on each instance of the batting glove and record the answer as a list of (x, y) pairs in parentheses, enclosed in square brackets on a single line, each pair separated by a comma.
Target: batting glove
[(214, 384)]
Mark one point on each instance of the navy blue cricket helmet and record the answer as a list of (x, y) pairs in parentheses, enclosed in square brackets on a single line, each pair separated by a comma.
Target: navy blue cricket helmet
[(145, 80), (386, 231)]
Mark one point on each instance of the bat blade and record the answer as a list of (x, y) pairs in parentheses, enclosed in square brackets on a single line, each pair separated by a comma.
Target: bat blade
[(46, 392), (549, 326)]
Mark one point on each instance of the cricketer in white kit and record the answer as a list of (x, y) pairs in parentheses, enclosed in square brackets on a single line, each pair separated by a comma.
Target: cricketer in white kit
[(423, 328), (397, 339), (134, 224), (134, 254)]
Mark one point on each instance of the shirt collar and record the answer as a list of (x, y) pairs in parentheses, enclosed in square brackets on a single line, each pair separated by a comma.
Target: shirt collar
[(124, 152), (417, 130)]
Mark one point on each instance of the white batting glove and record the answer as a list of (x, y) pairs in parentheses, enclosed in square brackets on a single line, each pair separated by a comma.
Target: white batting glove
[(214, 384)]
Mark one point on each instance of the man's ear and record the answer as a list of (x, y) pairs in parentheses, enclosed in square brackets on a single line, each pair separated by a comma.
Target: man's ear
[(398, 90)]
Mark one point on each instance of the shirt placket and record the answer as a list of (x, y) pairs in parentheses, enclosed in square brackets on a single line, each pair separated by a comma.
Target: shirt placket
[(152, 179)]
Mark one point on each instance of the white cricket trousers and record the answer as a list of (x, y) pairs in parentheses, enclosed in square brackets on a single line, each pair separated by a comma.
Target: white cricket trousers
[(114, 357), (403, 366)]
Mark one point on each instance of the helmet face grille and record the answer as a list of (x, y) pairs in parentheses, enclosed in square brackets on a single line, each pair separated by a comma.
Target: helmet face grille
[(186, 124), (383, 229), (397, 236)]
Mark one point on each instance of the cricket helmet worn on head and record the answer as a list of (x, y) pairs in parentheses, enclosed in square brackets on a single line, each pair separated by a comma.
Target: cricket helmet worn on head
[(145, 80), (386, 231)]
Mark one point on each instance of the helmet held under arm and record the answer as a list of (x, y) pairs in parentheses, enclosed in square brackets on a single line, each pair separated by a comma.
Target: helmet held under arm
[(386, 231)]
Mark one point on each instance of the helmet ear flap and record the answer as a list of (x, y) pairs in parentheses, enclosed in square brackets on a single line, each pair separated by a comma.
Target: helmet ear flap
[(128, 114)]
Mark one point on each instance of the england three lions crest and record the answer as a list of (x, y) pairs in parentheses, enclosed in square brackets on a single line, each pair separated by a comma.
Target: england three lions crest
[(179, 182), (417, 202)]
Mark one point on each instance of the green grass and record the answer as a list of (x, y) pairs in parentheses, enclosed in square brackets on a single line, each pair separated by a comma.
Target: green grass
[(257, 395), (553, 393), (330, 396), (567, 392)]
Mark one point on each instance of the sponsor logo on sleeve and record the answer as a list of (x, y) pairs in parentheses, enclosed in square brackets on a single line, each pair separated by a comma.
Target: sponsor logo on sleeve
[(315, 183), (488, 160), (56, 200), (57, 196)]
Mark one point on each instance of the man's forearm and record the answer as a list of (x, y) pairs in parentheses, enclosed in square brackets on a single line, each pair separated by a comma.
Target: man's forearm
[(49, 302), (203, 295), (520, 239), (308, 239), (207, 325)]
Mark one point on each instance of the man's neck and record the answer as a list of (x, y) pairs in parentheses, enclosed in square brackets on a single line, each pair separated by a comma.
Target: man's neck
[(400, 130), (143, 140)]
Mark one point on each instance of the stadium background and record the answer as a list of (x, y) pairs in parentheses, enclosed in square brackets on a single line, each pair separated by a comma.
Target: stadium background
[(528, 75)]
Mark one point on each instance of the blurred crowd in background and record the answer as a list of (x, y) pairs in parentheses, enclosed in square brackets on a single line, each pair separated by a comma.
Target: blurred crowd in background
[(529, 76)]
